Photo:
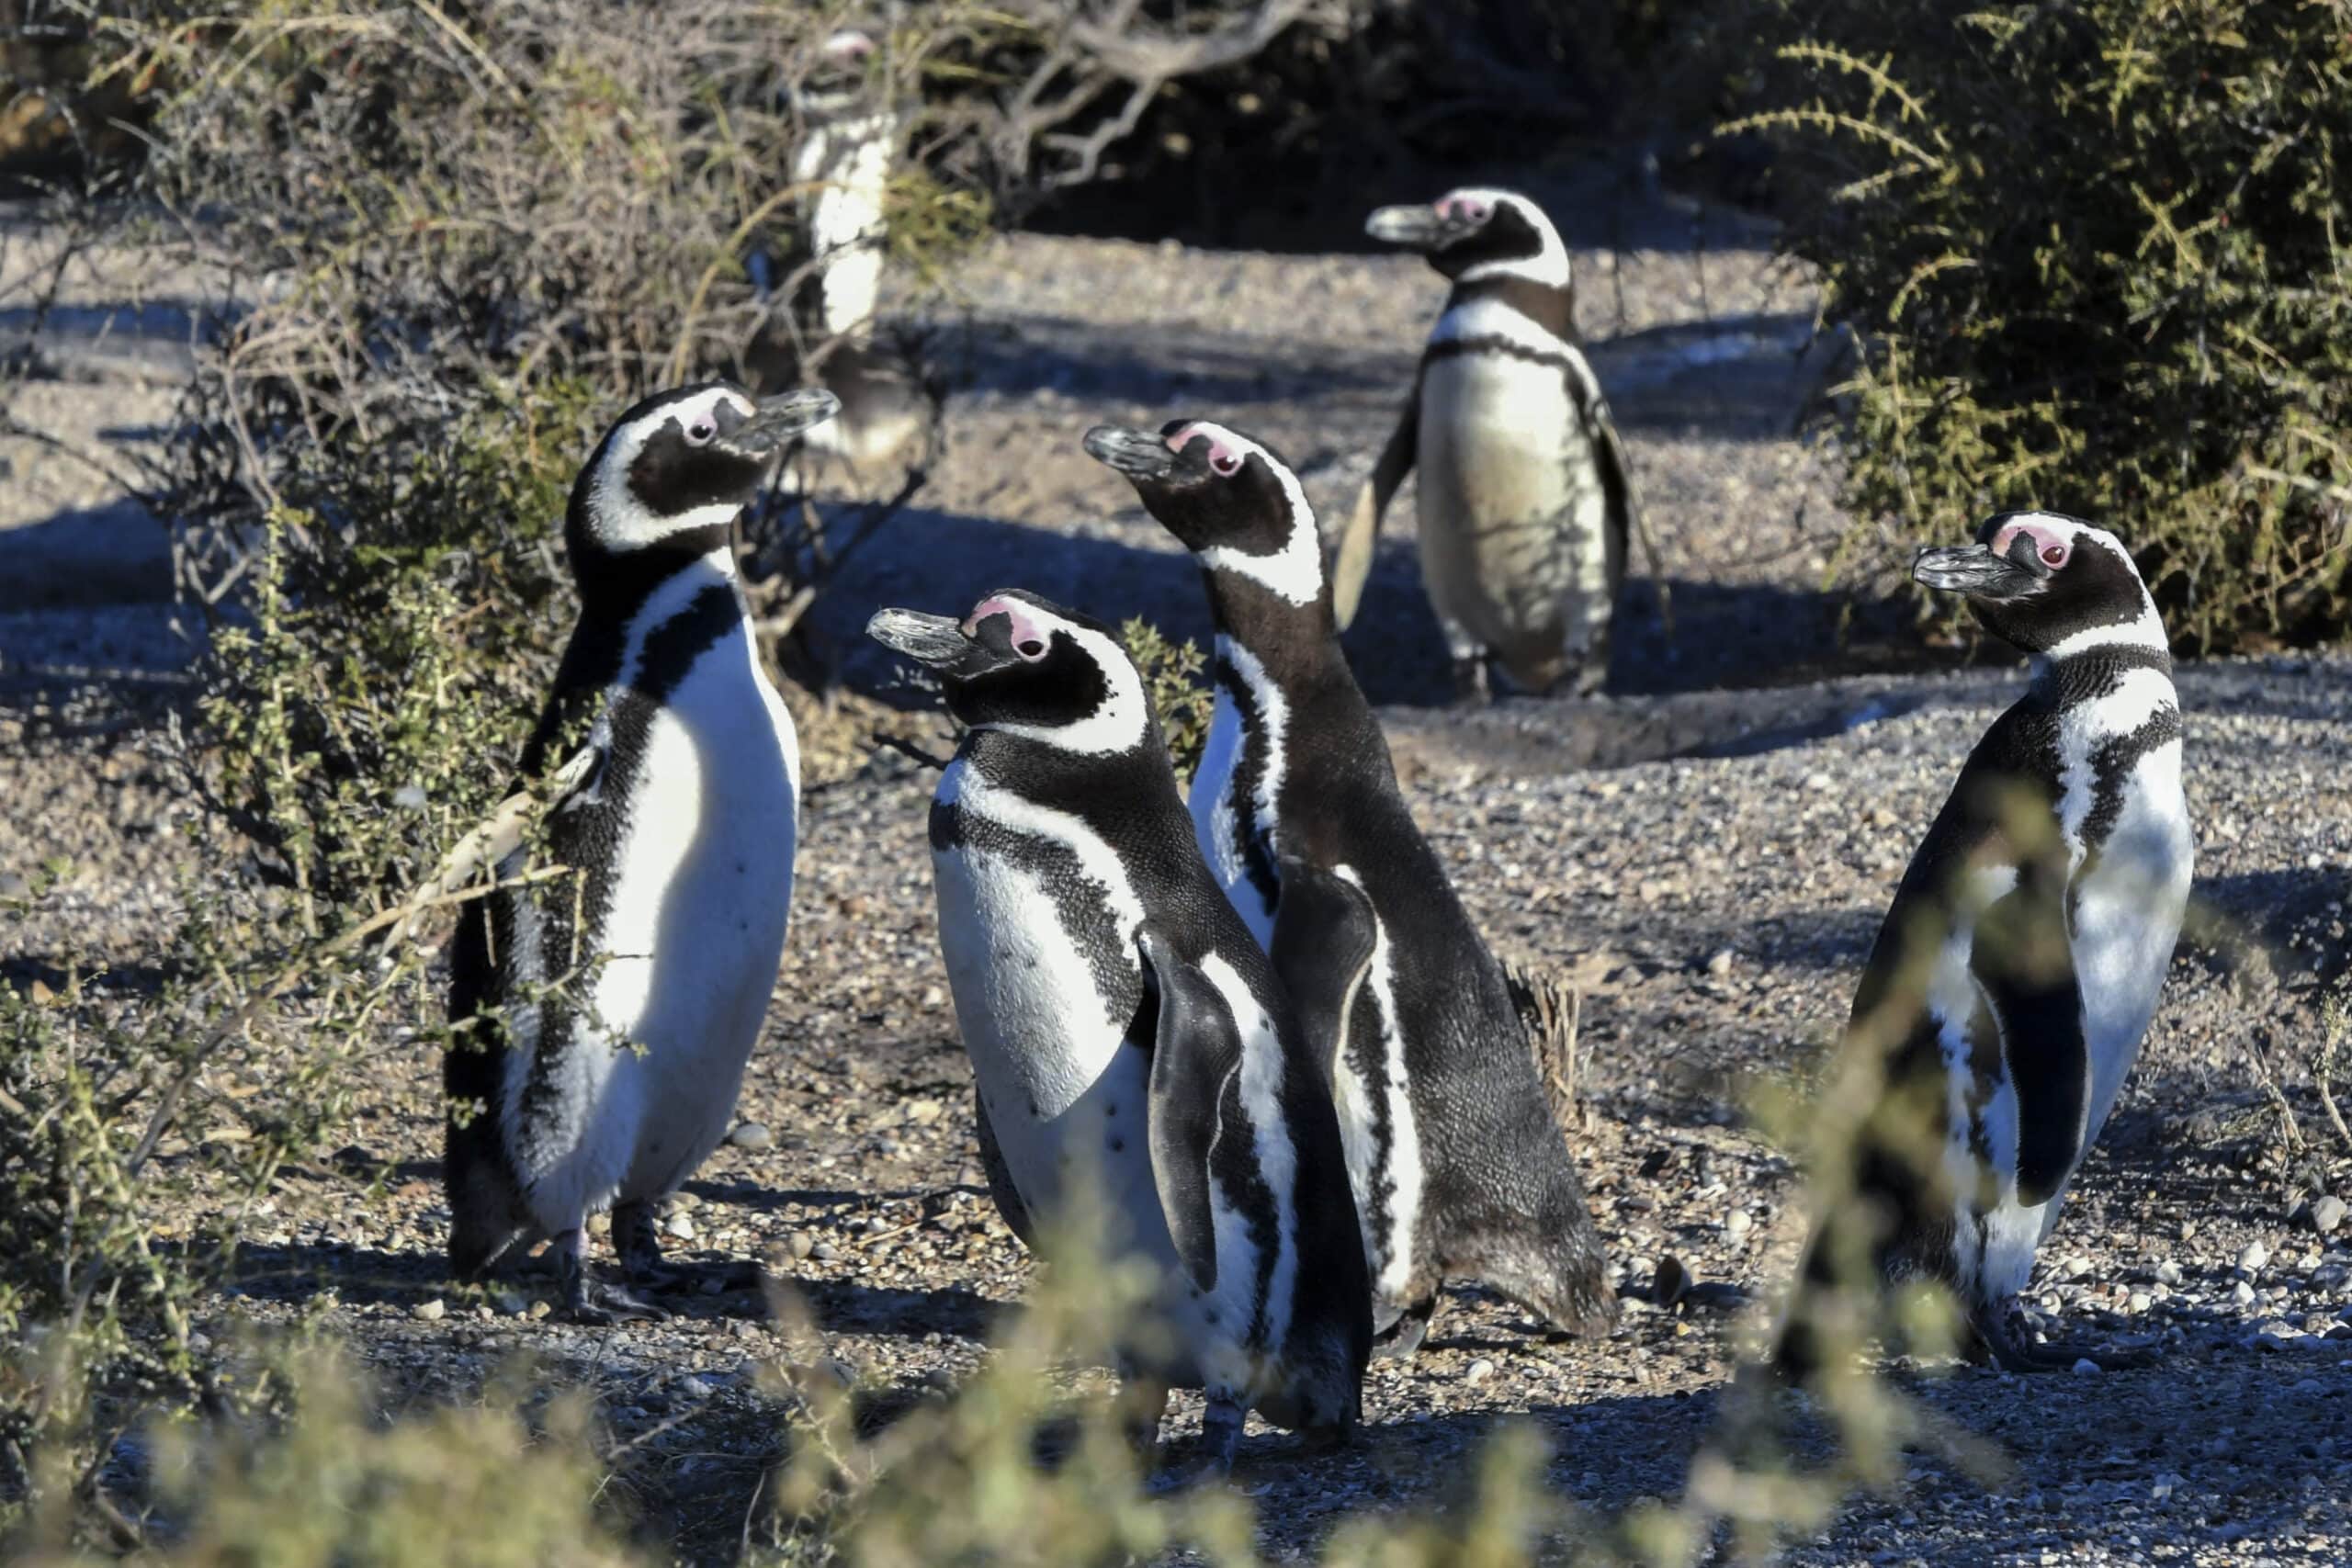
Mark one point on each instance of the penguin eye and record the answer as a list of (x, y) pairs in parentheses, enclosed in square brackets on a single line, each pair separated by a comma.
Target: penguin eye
[(1226, 462), (2053, 555), (699, 432), (1477, 211), (1029, 649)]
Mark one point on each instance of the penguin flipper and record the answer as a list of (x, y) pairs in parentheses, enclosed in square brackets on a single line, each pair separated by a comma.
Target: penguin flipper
[(1197, 1048), (1325, 931), (1352, 562), (1009, 1201), (2021, 956), (1622, 512)]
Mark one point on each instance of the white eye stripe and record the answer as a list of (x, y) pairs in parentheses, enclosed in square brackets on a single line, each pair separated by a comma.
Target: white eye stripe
[(1295, 572), (1549, 264)]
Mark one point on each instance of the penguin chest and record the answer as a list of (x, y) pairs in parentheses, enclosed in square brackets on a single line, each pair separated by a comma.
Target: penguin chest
[(2126, 907), (1237, 787), (1041, 963), (701, 885), (1513, 513)]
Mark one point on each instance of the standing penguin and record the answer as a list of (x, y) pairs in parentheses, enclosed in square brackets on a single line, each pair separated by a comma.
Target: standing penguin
[(2018, 967), (1458, 1166), (850, 132), (1525, 503), (1122, 1027), (605, 1017)]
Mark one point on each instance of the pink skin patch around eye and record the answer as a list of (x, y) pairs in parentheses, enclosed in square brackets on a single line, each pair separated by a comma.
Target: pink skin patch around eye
[(1031, 636), (2048, 542), (1223, 457), (1468, 208)]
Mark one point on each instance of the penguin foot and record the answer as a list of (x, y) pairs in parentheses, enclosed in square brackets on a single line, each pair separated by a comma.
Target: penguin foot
[(1213, 1461), (1470, 686), (1404, 1336), (600, 1305), (667, 1278), (593, 1301), (2002, 1333)]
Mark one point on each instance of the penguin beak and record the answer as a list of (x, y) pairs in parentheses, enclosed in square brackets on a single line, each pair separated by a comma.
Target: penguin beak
[(1139, 455), (939, 642), (779, 419), (935, 640), (1419, 227), (1975, 571)]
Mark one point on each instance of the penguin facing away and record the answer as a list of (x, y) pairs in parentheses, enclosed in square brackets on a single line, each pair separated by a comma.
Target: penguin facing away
[(1126, 1030), (2019, 965), (852, 132), (1458, 1166), (1525, 502), (605, 1017)]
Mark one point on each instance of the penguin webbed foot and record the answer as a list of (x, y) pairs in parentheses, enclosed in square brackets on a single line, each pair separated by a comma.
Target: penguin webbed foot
[(1213, 1459), (1470, 683), (2000, 1332), (643, 1266), (1404, 1336), (594, 1301)]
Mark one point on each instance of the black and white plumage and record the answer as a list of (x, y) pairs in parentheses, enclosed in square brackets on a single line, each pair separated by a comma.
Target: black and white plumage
[(851, 134), (679, 831), (2019, 965), (1122, 1027), (1525, 503), (1458, 1166)]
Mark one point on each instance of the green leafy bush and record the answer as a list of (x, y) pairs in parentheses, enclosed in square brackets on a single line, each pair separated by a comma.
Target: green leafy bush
[(1172, 679), (2098, 258)]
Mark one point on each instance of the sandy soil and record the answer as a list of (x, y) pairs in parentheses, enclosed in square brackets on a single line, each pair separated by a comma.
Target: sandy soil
[(1707, 851)]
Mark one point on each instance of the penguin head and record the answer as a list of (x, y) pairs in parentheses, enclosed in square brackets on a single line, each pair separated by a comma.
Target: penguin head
[(1231, 501), (682, 463), (2049, 583), (1020, 665), (1477, 232)]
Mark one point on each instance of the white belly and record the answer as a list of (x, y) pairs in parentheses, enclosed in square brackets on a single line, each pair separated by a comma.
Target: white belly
[(1513, 516), (1216, 815), (2126, 918), (691, 943), (1068, 1095)]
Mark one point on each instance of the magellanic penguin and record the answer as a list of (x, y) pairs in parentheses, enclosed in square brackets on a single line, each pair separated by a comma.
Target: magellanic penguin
[(2004, 999), (1123, 1028), (850, 132), (1458, 1166), (1525, 502), (605, 1017)]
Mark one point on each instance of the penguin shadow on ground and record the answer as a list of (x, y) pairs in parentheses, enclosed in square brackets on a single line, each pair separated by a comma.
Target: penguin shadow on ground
[(114, 554), (1080, 360)]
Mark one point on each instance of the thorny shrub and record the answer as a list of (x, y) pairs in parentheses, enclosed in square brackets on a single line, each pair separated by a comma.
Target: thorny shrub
[(1171, 679), (2097, 258)]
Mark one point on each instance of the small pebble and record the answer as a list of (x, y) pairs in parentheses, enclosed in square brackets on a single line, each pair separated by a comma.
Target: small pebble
[(2085, 1367), (1719, 965), (679, 1225), (2327, 1214), (2243, 1295), (751, 1136), (1480, 1370), (800, 1244), (2251, 1260), (1738, 1222), (825, 1252), (2139, 1301), (431, 1311), (2168, 1272)]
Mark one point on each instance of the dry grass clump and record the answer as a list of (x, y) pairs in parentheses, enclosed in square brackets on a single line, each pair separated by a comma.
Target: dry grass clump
[(2098, 258)]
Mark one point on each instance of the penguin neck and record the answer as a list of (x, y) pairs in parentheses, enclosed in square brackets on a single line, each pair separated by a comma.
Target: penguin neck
[(2080, 675), (1296, 645), (1551, 306), (615, 585)]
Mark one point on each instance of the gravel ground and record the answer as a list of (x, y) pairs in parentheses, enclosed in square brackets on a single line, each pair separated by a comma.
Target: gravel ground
[(1706, 853)]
